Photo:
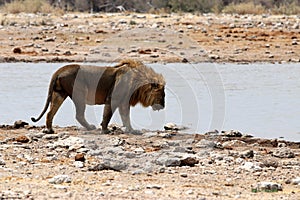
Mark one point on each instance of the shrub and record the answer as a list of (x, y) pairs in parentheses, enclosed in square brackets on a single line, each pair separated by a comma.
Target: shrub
[(244, 8), (28, 6), (288, 9)]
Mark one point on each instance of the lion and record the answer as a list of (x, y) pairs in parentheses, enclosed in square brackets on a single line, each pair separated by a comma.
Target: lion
[(126, 84)]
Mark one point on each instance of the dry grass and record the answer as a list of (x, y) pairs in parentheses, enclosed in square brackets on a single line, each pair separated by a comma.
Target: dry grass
[(288, 9), (29, 6), (244, 8)]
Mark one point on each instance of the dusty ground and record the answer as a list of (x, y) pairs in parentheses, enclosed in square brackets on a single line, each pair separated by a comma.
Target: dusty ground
[(154, 38), (155, 165), (124, 166)]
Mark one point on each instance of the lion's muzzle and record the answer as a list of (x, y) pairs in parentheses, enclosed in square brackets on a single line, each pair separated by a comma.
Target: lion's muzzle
[(157, 107)]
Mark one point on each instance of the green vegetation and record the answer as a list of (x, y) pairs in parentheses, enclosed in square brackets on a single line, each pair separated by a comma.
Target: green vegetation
[(154, 6)]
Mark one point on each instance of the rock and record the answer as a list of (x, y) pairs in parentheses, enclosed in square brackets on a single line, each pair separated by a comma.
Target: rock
[(283, 153), (17, 50), (205, 144), (50, 39), (80, 157), (267, 187), (78, 164), (184, 175), (247, 154), (2, 162), (168, 161), (20, 124), (109, 164), (173, 127), (22, 139), (233, 143), (213, 56), (250, 166), (154, 187), (189, 161), (233, 133), (70, 142), (60, 179), (50, 137), (296, 181), (37, 135), (270, 163)]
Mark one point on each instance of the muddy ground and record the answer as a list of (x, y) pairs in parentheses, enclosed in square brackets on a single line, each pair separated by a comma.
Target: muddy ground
[(75, 164)]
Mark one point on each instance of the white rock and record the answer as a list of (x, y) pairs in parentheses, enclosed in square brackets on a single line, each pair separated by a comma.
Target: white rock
[(296, 181), (2, 162), (269, 186), (60, 179), (250, 166), (78, 164)]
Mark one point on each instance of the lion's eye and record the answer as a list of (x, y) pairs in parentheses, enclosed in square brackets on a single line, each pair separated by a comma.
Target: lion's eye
[(154, 85)]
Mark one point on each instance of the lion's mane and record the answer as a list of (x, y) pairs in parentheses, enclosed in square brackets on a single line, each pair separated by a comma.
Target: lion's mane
[(145, 84)]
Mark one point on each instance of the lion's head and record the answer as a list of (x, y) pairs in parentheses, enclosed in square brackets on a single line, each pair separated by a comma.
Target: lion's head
[(148, 87)]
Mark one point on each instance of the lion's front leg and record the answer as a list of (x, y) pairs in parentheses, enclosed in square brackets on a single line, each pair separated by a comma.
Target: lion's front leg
[(125, 116), (107, 114), (124, 111)]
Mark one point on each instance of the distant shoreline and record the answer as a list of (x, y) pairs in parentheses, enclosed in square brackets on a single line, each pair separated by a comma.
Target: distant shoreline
[(167, 38)]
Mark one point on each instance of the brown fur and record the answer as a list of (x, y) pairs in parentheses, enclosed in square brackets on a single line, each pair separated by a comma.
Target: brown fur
[(128, 83)]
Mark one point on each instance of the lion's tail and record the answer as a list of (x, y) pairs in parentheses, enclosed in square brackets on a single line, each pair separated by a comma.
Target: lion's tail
[(50, 91)]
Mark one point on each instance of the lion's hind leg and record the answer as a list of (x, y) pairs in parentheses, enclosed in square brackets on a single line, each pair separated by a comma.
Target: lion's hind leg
[(80, 110), (56, 101)]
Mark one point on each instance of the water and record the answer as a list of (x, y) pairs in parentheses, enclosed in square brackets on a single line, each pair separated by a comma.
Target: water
[(259, 99)]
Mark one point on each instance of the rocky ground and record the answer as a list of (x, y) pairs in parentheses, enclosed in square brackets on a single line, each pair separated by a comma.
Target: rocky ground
[(76, 164), (153, 38)]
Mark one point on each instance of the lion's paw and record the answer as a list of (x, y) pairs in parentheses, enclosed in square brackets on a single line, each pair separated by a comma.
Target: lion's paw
[(48, 131), (135, 132)]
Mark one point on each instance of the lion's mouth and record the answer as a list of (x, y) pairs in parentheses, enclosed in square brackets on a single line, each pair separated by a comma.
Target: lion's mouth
[(157, 107)]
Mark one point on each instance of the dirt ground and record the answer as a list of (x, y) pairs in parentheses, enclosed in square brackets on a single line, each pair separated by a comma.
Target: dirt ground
[(29, 159), (152, 38), (218, 166)]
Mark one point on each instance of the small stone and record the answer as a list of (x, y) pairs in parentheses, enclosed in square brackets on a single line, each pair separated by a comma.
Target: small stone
[(67, 53), (213, 56), (17, 50), (250, 166), (158, 187), (233, 133), (205, 144), (283, 153), (189, 161), (2, 162), (269, 187), (80, 157), (78, 164), (22, 139), (60, 179), (50, 39), (50, 137), (184, 175), (247, 154), (20, 124), (296, 181)]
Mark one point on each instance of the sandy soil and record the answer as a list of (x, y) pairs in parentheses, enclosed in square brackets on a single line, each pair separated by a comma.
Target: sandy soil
[(153, 38), (28, 159), (220, 166)]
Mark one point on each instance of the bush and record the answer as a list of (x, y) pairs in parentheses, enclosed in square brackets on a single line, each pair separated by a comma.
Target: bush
[(288, 9), (244, 8), (28, 6)]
